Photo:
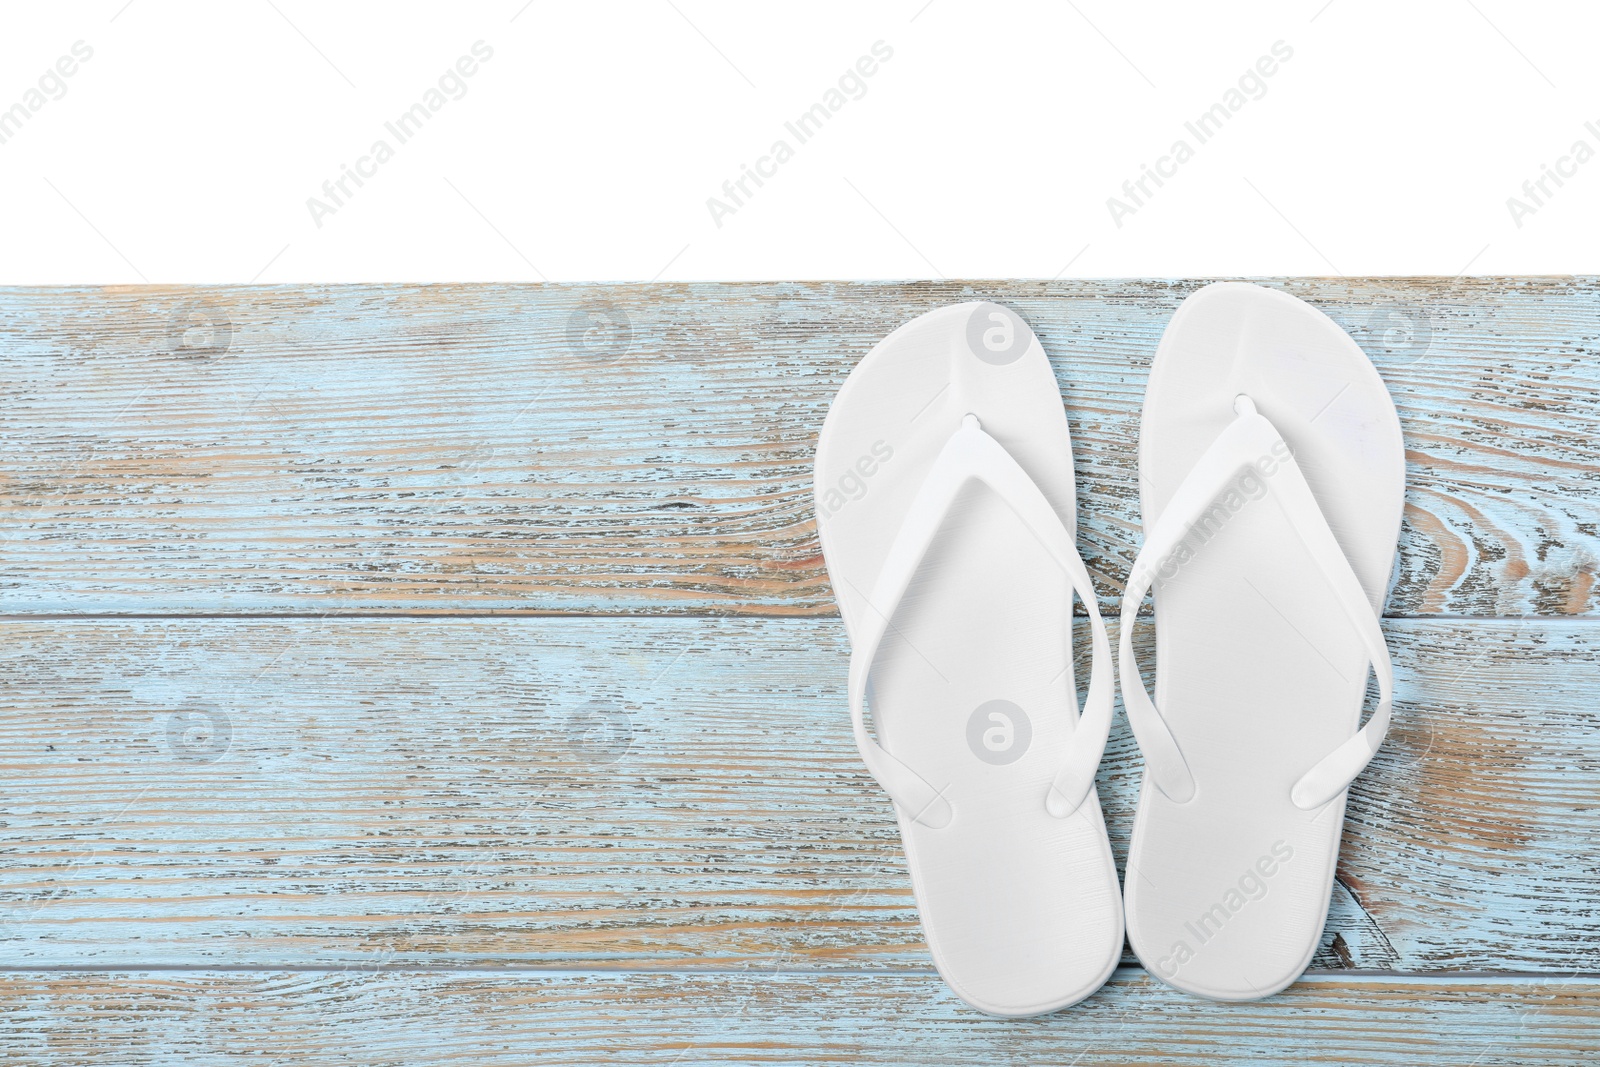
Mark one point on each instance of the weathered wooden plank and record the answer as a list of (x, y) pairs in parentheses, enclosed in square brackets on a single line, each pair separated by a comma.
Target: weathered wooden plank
[(144, 1018), (648, 448), (667, 793)]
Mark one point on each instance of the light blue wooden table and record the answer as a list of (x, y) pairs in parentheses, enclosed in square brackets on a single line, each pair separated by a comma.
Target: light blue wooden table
[(449, 674)]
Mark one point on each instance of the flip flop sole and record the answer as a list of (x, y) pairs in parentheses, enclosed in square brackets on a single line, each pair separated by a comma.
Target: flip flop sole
[(1021, 910), (1259, 674)]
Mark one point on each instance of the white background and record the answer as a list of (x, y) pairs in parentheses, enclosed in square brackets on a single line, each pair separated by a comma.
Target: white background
[(186, 149)]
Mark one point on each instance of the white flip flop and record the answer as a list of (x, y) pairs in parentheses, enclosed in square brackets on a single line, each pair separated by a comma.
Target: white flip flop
[(945, 506), (1272, 479)]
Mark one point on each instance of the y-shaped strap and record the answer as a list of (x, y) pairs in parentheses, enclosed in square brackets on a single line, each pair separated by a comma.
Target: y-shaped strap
[(971, 453), (1251, 441)]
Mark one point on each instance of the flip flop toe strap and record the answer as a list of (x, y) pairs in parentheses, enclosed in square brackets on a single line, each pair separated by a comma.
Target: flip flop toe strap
[(1250, 441), (973, 454)]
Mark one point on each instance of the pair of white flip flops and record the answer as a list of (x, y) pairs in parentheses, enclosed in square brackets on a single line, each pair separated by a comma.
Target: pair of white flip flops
[(1272, 482)]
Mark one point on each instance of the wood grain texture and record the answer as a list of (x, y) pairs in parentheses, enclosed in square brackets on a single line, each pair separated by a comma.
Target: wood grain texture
[(285, 1019), (461, 838), (668, 793), (647, 448)]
